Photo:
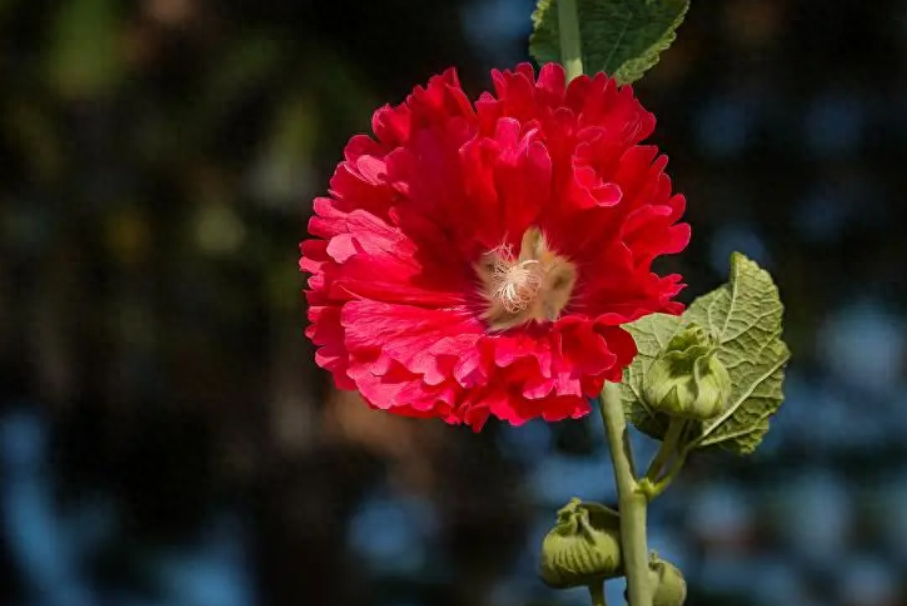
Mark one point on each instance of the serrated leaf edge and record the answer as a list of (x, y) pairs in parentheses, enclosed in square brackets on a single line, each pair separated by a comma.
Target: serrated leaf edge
[(654, 50), (648, 58), (711, 426)]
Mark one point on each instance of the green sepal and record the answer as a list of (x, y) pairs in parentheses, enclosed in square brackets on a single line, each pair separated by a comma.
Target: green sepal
[(669, 588), (583, 548), (686, 379)]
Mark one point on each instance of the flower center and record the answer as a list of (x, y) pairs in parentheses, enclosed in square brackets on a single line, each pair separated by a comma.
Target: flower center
[(534, 285)]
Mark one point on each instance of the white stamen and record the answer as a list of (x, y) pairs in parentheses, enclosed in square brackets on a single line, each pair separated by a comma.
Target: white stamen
[(533, 286), (516, 284)]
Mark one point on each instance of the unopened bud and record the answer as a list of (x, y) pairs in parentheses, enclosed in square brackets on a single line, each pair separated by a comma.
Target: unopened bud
[(687, 380), (668, 585), (583, 548)]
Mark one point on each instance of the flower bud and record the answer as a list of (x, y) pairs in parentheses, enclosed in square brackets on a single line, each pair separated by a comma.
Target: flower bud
[(583, 547), (686, 379), (668, 585)]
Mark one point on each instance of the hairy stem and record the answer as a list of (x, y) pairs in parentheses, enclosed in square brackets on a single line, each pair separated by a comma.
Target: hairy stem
[(571, 43), (632, 502)]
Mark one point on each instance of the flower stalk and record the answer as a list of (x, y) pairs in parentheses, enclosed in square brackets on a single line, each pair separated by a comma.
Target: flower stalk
[(597, 591), (667, 448), (653, 488), (571, 42), (651, 485), (632, 501)]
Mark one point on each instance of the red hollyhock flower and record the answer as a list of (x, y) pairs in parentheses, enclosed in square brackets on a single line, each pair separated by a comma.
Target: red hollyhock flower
[(477, 260)]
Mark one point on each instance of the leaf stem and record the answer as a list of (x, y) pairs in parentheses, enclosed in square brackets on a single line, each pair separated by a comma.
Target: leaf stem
[(632, 501), (571, 42), (652, 489), (597, 591), (666, 449)]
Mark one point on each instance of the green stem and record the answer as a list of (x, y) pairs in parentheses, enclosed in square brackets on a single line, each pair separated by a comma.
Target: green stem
[(652, 488), (666, 449), (571, 43), (597, 591), (651, 485), (631, 501)]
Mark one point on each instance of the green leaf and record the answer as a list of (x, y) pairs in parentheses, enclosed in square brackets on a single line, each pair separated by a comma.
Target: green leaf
[(622, 38), (744, 316)]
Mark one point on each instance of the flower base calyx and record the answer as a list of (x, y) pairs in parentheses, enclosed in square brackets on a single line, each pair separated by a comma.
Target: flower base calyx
[(583, 548), (687, 380)]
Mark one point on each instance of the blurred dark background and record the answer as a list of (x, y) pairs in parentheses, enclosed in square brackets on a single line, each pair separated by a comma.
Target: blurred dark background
[(165, 439)]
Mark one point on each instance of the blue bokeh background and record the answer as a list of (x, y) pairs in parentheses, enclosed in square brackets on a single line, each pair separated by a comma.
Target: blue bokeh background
[(165, 439)]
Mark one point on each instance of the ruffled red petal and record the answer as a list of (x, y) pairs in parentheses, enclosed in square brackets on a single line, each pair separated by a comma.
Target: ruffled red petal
[(394, 301)]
